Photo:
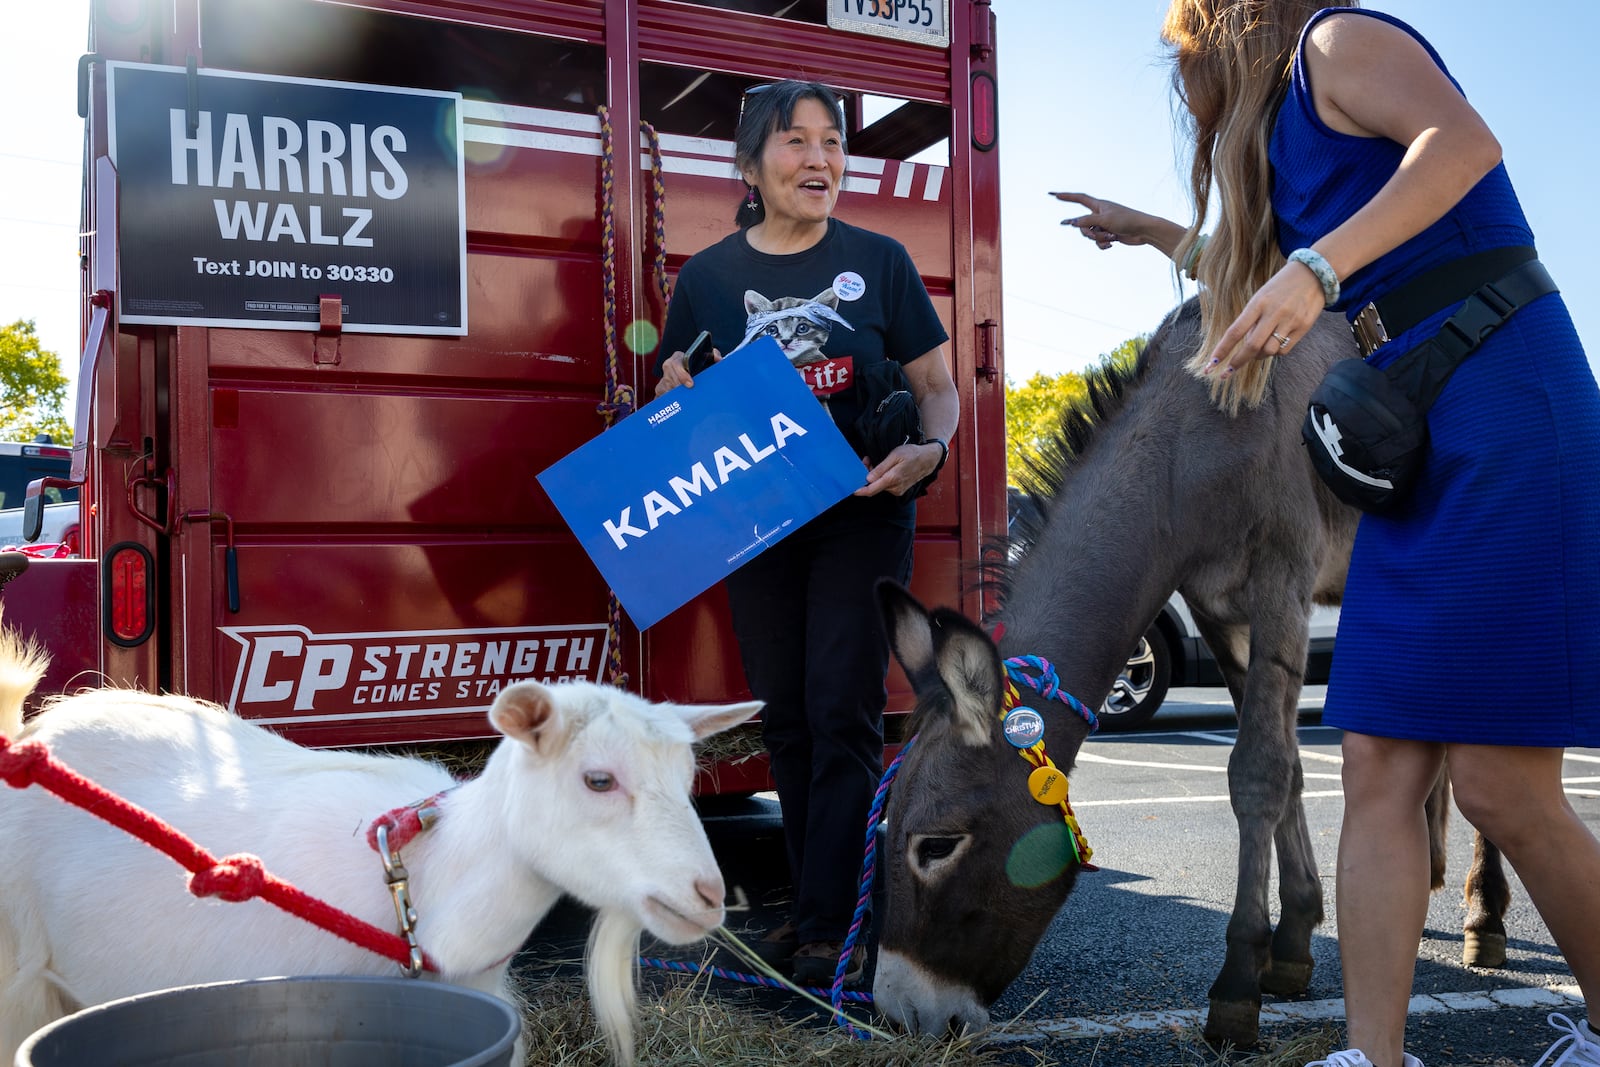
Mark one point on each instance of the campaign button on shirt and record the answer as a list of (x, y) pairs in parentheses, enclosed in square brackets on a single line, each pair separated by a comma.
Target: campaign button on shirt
[(1023, 727), (849, 286)]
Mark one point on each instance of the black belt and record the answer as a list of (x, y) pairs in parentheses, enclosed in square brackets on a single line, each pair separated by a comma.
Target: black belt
[(1423, 371), (1399, 310)]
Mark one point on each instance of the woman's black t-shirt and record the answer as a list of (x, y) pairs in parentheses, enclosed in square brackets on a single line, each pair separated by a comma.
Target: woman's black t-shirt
[(852, 299)]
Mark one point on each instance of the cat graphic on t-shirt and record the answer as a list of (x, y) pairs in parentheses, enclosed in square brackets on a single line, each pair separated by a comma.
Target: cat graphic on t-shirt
[(801, 328)]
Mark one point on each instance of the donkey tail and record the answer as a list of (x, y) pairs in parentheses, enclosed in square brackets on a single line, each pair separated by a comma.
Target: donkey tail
[(613, 950), (22, 666)]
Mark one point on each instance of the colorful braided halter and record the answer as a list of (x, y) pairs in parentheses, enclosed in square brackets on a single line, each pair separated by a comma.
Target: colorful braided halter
[(1047, 783)]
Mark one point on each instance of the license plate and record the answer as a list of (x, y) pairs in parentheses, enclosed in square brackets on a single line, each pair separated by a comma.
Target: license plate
[(921, 21)]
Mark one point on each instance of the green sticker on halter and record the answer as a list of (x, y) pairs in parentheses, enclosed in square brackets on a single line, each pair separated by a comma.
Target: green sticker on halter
[(1040, 855)]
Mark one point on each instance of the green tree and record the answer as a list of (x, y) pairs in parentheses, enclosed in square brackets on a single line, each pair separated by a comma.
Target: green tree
[(1033, 409), (33, 388)]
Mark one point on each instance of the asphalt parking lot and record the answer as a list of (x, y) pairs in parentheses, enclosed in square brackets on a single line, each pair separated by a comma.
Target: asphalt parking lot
[(1122, 975)]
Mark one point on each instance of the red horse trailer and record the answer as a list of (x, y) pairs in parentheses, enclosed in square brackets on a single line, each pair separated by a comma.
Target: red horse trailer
[(333, 526)]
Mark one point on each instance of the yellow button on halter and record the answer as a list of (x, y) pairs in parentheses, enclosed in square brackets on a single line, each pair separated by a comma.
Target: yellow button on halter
[(1048, 785)]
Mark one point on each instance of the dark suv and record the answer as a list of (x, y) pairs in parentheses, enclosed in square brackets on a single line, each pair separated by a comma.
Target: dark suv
[(23, 462)]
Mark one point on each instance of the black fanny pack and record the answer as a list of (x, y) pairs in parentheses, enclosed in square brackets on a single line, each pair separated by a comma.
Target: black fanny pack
[(1366, 428), (889, 416)]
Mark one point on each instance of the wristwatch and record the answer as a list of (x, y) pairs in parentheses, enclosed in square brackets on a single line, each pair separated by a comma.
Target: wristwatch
[(944, 452)]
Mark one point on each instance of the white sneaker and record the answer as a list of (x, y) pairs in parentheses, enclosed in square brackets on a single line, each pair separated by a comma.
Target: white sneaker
[(1578, 1044), (1356, 1058), (1352, 1057)]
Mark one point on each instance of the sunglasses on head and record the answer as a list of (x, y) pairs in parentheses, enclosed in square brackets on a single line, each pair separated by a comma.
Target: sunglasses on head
[(754, 90)]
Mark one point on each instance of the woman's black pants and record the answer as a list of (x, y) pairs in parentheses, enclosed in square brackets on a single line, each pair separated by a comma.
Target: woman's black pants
[(806, 618)]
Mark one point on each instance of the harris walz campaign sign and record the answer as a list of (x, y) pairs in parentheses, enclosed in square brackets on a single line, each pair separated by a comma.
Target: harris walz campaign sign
[(246, 198), (678, 495)]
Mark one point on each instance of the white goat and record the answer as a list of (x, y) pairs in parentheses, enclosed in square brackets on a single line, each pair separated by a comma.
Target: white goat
[(587, 794)]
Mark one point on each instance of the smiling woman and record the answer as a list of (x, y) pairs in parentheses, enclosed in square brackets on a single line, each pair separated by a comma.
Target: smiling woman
[(848, 309)]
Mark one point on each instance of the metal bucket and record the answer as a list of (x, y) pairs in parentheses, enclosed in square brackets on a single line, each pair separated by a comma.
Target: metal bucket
[(285, 1022)]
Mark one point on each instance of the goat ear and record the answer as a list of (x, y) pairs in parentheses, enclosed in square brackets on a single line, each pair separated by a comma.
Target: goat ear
[(910, 633), (708, 719), (529, 712)]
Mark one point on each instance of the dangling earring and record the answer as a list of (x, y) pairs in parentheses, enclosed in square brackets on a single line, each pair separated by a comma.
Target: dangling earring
[(750, 200)]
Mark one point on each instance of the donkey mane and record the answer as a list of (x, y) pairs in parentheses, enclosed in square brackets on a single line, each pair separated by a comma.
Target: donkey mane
[(1081, 420)]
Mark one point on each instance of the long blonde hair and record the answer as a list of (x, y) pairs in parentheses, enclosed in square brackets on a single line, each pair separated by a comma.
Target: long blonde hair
[(1230, 69)]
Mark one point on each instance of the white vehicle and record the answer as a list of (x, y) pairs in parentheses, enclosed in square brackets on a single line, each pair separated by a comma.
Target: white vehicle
[(1172, 653), (60, 526)]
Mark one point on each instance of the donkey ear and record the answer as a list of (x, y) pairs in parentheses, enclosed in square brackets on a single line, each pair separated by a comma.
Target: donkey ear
[(529, 713), (969, 663), (708, 719), (910, 633)]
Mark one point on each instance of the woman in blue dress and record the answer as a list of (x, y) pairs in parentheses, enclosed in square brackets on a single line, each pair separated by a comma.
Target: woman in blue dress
[(1384, 183)]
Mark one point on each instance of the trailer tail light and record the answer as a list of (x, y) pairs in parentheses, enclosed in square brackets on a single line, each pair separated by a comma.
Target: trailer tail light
[(129, 597), (985, 112)]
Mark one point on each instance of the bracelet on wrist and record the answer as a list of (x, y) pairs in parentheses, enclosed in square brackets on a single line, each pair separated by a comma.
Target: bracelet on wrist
[(944, 451), (1191, 262), (1317, 264)]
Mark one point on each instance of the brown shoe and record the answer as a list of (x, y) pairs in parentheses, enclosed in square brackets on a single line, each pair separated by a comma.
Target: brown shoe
[(816, 961), (778, 947)]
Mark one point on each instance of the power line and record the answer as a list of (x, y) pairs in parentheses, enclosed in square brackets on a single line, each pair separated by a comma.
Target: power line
[(1074, 315), (40, 222), (73, 163)]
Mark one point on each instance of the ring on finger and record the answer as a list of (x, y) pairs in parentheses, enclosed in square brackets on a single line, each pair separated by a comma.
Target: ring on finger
[(1283, 342)]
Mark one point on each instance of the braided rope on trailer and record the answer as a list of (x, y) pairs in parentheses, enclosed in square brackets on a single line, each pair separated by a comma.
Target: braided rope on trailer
[(620, 399)]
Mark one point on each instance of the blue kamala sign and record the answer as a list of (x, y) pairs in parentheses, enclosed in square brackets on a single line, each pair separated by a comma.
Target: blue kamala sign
[(677, 496)]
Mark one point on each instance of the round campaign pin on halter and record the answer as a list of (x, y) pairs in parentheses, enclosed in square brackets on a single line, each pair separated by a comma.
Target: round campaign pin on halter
[(1023, 727), (1048, 785)]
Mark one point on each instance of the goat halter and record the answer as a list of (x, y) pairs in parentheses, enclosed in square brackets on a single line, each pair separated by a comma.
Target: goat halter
[(388, 834)]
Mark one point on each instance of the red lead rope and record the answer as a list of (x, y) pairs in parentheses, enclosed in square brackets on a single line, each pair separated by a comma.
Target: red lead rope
[(233, 878)]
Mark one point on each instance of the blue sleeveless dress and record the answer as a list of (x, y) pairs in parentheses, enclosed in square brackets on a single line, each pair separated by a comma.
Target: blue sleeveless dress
[(1473, 615)]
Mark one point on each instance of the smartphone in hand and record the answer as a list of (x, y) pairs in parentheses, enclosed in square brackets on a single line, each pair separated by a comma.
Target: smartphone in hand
[(697, 357)]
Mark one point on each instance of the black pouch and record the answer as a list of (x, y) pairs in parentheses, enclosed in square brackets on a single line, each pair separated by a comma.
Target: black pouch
[(1367, 429), (1366, 436), (889, 417)]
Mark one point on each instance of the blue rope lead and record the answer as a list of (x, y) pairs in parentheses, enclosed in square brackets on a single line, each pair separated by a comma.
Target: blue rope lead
[(684, 967), (869, 870)]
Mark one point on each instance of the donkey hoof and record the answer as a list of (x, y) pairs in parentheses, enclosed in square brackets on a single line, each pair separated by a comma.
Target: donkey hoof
[(1287, 978), (1233, 1022), (1483, 950)]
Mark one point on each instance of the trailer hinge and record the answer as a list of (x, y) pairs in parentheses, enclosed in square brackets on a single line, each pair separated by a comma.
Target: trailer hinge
[(330, 329), (85, 61), (988, 364)]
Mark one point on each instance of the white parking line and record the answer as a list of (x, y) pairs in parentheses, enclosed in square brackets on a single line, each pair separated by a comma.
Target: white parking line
[(1287, 1012), (1084, 756), (1214, 799)]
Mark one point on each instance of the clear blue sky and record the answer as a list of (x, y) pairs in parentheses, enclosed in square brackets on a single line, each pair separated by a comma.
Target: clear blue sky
[(1085, 105)]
